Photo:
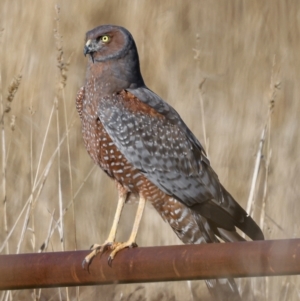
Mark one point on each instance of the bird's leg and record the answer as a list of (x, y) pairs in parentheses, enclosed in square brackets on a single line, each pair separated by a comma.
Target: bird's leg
[(131, 241), (109, 242)]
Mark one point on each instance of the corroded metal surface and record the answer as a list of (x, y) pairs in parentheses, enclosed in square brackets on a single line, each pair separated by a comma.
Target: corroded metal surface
[(242, 259)]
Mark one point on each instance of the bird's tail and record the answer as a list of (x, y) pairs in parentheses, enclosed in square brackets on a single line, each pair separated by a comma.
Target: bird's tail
[(221, 220), (206, 223), (223, 289), (199, 230), (227, 214)]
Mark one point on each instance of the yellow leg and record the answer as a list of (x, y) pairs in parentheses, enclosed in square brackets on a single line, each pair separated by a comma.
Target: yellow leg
[(109, 242), (131, 241)]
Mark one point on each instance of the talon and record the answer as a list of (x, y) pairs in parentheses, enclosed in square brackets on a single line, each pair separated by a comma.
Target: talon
[(118, 248), (88, 259), (85, 264), (96, 248), (109, 260)]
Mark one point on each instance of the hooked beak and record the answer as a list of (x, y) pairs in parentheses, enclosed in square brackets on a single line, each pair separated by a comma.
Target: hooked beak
[(88, 50)]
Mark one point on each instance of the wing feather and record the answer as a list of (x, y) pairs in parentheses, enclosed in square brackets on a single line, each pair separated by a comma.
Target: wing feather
[(155, 140), (153, 137)]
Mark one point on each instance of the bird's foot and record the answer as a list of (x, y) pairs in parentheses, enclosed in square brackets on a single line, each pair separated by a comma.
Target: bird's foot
[(108, 245), (118, 247), (96, 248)]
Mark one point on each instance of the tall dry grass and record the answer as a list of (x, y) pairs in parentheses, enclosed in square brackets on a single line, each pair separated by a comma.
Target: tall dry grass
[(53, 198)]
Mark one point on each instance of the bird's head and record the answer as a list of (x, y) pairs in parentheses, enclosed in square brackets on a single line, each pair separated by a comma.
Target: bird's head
[(108, 42), (113, 48)]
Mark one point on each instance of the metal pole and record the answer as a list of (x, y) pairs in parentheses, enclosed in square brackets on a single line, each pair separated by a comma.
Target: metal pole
[(186, 262)]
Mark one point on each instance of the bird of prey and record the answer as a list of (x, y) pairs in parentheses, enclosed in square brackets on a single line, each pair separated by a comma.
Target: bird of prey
[(142, 143)]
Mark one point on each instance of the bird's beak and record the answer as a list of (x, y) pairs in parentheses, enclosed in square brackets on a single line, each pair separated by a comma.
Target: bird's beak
[(87, 50)]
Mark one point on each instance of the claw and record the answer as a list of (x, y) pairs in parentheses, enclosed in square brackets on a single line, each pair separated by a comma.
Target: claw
[(109, 261), (88, 260), (96, 248), (114, 246), (118, 247), (85, 265)]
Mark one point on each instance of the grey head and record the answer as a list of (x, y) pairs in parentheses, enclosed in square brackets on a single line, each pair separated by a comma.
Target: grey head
[(113, 56)]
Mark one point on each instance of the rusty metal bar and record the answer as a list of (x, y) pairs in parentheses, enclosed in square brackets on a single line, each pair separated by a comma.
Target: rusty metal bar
[(186, 262)]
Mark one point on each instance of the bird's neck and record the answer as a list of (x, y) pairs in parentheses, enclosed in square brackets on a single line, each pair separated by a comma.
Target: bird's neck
[(112, 76)]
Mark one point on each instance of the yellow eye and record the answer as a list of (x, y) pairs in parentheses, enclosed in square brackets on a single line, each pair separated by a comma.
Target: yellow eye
[(105, 39)]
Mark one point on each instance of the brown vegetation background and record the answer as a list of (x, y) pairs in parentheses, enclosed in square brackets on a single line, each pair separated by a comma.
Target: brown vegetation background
[(230, 44)]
